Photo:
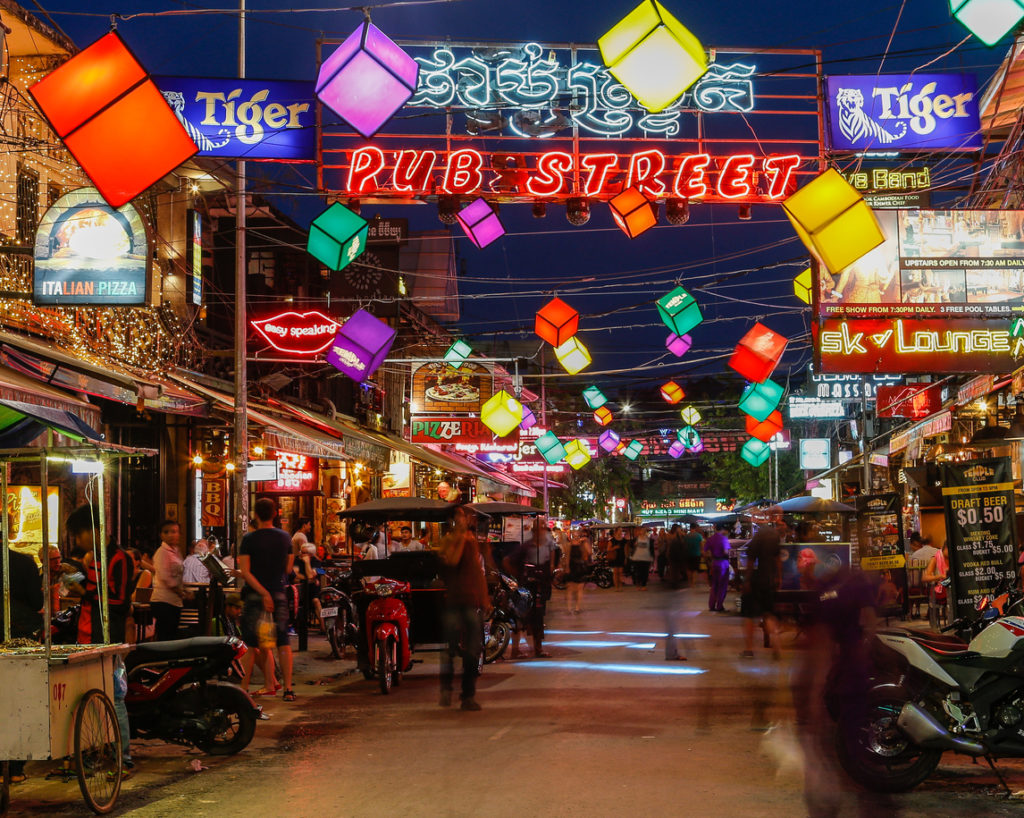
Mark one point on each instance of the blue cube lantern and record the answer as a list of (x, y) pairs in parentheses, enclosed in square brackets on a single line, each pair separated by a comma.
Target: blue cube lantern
[(680, 311), (755, 452), (337, 237), (760, 399)]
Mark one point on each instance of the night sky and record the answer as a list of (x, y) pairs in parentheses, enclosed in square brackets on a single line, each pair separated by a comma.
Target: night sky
[(747, 267)]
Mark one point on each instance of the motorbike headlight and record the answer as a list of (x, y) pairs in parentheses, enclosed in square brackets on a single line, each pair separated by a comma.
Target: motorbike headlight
[(513, 585)]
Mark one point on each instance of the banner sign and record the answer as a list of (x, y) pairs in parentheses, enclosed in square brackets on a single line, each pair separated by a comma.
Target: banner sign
[(905, 346), (213, 513), (672, 506), (903, 112), (801, 408), (89, 255), (468, 435), (848, 387), (298, 333), (880, 547), (245, 119), (978, 498), (914, 401)]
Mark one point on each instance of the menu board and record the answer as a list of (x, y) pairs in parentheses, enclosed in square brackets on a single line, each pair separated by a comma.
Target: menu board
[(880, 546), (978, 498)]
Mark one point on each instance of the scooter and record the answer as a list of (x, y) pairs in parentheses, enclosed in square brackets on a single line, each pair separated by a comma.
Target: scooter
[(338, 615), (510, 606), (176, 693), (387, 633), (599, 573)]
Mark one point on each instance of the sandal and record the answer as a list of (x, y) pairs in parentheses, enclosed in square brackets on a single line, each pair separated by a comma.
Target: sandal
[(289, 696), (263, 692), (542, 654)]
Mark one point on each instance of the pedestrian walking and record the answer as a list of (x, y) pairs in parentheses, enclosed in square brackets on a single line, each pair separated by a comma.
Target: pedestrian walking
[(675, 574), (616, 555), (168, 588), (760, 582), (531, 563), (716, 551), (641, 558), (575, 562), (465, 599), (693, 546)]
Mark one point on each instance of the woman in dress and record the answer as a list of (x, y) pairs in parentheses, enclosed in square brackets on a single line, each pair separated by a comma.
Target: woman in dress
[(616, 555), (575, 562)]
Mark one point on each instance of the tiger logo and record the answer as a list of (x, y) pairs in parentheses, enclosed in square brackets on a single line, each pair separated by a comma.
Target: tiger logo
[(176, 100), (856, 125)]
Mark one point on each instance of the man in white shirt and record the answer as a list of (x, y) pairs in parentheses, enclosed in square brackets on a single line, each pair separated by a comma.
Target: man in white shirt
[(168, 591), (923, 553), (303, 529), (406, 542)]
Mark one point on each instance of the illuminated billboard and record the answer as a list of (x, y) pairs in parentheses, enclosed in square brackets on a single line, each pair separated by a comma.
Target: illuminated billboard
[(89, 254)]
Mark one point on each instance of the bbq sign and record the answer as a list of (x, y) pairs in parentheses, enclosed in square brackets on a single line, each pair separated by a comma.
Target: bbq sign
[(298, 333)]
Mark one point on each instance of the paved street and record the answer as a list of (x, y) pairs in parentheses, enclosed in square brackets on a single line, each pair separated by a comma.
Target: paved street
[(604, 727)]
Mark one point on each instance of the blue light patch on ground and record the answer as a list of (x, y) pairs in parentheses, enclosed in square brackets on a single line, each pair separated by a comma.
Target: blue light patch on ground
[(608, 667), (572, 633), (587, 643), (642, 646)]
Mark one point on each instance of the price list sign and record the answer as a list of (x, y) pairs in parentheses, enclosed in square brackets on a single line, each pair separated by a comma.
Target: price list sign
[(880, 546), (978, 498)]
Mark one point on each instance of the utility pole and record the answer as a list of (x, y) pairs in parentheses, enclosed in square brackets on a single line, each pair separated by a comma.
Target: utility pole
[(865, 438), (240, 438), (544, 425)]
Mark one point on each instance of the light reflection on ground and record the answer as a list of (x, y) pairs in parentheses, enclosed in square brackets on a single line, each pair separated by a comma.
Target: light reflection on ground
[(597, 643), (612, 667)]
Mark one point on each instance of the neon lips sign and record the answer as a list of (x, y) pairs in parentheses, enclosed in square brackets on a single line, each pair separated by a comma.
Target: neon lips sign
[(298, 333), (744, 177)]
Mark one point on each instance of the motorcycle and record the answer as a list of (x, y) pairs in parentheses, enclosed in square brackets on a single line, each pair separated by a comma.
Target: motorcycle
[(176, 693), (511, 605), (598, 572), (936, 693), (386, 625), (338, 615)]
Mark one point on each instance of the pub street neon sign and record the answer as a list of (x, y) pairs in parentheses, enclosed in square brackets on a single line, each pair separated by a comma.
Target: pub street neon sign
[(557, 174), (298, 333)]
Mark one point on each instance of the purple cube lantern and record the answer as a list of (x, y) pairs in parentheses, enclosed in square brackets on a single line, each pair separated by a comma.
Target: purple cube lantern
[(608, 440), (529, 419), (367, 79), (361, 345), (697, 448), (678, 345), (481, 223), (677, 449)]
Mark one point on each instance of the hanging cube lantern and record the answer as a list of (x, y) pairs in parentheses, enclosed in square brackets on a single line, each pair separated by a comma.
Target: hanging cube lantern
[(689, 437), (550, 448), (577, 453), (633, 450), (457, 353), (556, 322), (367, 79), (690, 415), (573, 356), (988, 20), (529, 419), (680, 311), (755, 452), (759, 400), (677, 449), (697, 447), (833, 220), (653, 55), (480, 222), (609, 440), (603, 415), (113, 119), (620, 448), (678, 345), (337, 237), (361, 345), (594, 397), (766, 429), (502, 413), (633, 212), (672, 392), (758, 353), (802, 285)]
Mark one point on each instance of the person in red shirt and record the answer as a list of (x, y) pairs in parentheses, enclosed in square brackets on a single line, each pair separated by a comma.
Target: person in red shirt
[(83, 525)]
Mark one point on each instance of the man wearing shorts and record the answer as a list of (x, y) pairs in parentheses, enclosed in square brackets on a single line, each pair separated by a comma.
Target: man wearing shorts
[(264, 560), (761, 579)]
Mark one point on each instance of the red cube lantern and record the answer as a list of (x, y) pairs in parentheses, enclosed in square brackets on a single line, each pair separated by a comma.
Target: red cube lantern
[(672, 392), (557, 322), (113, 120), (758, 353), (633, 212), (766, 429), (603, 415)]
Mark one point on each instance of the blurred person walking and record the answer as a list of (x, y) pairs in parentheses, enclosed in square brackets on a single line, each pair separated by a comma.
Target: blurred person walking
[(760, 582), (693, 546), (168, 588), (641, 559), (575, 561), (616, 554)]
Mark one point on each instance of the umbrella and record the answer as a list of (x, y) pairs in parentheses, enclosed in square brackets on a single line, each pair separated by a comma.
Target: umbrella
[(401, 508), (504, 509), (812, 505)]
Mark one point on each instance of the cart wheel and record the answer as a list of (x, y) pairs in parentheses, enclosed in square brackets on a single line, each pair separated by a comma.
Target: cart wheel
[(5, 788), (98, 751)]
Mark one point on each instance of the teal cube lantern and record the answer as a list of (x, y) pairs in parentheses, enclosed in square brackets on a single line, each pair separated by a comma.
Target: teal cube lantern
[(550, 448), (680, 311), (760, 399), (337, 237), (594, 397), (988, 20), (689, 437), (457, 353), (633, 450), (755, 452)]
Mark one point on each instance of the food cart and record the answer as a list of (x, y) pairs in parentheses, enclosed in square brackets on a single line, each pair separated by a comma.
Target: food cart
[(56, 701)]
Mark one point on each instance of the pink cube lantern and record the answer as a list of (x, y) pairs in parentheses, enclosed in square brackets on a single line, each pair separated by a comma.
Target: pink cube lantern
[(677, 449), (609, 440), (529, 419), (481, 223), (678, 345), (367, 79)]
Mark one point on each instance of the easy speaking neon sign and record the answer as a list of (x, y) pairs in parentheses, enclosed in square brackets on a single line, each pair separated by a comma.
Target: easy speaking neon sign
[(558, 174), (298, 333)]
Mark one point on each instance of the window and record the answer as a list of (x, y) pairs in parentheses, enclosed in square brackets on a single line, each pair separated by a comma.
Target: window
[(52, 194), (27, 213)]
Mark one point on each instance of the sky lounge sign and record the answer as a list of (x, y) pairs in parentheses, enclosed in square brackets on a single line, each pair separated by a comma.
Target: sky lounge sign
[(903, 112)]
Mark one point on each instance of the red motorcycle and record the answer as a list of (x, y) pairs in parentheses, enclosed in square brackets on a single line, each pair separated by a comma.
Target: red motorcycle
[(387, 633)]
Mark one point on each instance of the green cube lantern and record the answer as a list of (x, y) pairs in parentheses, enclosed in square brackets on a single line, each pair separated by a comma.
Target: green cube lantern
[(760, 399), (457, 353), (594, 397), (755, 452), (689, 437), (550, 448), (633, 450), (680, 311), (337, 237), (988, 20)]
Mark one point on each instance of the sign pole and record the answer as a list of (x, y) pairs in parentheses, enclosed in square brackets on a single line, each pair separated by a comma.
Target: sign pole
[(240, 441)]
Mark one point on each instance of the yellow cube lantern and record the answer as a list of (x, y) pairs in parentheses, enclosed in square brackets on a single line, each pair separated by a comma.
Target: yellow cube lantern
[(573, 356), (653, 55), (690, 416), (802, 285), (833, 220), (502, 414), (577, 453)]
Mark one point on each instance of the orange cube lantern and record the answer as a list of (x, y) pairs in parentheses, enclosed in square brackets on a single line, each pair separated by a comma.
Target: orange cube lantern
[(603, 415), (766, 429), (758, 353), (633, 212), (113, 120), (557, 322), (672, 392)]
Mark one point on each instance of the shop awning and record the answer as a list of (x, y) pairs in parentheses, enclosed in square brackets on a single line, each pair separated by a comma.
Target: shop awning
[(18, 387), (21, 423)]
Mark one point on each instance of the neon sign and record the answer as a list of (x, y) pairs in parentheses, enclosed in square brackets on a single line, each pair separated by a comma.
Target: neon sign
[(298, 333), (374, 172), (295, 472)]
